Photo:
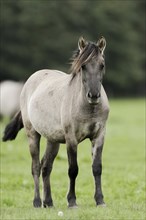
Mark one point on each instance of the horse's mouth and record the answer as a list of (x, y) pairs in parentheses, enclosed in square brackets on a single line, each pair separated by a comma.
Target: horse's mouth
[(93, 101)]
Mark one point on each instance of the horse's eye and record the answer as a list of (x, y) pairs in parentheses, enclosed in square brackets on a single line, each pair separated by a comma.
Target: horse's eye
[(101, 66), (84, 67)]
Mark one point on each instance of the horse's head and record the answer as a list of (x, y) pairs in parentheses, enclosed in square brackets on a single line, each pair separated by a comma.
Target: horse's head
[(92, 67)]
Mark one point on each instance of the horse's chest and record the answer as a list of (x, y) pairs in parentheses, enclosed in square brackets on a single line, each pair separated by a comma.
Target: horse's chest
[(86, 130)]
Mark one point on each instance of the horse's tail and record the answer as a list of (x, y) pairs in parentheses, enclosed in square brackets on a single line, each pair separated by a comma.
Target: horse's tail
[(13, 127)]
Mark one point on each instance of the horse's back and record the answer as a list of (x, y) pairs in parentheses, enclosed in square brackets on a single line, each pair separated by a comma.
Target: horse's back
[(35, 80), (38, 77)]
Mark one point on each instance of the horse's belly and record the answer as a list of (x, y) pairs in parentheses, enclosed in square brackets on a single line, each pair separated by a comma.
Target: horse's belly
[(46, 121), (52, 133)]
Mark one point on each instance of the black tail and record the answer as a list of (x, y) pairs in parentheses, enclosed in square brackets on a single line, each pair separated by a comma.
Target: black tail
[(13, 127)]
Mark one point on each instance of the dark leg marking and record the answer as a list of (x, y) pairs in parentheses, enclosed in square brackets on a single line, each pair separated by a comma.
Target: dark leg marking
[(97, 172), (34, 141), (47, 164), (72, 172)]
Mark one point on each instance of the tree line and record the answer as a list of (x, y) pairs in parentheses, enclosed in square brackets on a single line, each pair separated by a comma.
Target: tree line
[(38, 34)]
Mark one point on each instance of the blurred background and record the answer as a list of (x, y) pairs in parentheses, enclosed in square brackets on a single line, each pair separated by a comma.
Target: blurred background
[(38, 34)]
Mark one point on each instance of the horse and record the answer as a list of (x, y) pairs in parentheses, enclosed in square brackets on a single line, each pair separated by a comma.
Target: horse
[(9, 98), (65, 108)]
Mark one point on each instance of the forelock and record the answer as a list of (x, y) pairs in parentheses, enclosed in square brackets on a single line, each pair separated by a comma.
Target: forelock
[(79, 59)]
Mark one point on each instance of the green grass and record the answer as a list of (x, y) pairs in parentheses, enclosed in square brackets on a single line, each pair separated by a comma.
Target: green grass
[(123, 173)]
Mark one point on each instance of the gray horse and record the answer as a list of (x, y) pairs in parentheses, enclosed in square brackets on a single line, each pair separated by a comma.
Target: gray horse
[(65, 108), (9, 98)]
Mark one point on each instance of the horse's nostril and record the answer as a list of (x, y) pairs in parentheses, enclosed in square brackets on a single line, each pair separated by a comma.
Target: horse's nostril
[(89, 95), (98, 95)]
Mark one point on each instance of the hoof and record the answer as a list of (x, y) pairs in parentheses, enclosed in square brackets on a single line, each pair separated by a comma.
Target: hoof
[(73, 207), (48, 204), (103, 205), (37, 203)]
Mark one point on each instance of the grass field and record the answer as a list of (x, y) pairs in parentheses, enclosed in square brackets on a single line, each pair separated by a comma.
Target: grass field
[(123, 173)]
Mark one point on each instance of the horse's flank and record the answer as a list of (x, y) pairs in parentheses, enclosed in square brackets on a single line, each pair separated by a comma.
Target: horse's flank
[(45, 102)]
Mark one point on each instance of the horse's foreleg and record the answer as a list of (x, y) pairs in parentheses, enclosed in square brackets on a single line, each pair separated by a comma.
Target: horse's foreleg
[(47, 164), (34, 140), (72, 172), (97, 147)]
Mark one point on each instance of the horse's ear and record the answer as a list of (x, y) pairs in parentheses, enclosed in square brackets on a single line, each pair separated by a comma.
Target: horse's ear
[(101, 43), (81, 43)]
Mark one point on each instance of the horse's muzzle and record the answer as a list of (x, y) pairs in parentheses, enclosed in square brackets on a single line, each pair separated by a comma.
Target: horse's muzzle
[(93, 99)]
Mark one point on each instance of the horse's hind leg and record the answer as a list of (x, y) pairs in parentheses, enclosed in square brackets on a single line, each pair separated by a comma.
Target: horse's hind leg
[(34, 146), (47, 164)]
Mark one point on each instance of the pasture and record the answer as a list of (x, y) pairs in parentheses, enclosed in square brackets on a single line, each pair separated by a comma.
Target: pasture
[(123, 177)]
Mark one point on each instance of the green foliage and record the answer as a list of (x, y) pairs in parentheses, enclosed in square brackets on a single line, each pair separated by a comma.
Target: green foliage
[(123, 175), (42, 34)]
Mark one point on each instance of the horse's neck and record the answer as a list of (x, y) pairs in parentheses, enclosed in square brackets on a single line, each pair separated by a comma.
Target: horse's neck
[(84, 108), (77, 88)]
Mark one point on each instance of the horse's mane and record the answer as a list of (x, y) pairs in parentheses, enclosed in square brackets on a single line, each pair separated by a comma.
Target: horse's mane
[(90, 51)]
